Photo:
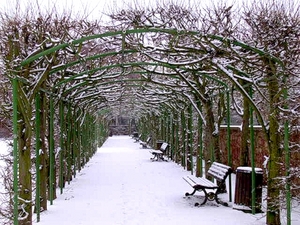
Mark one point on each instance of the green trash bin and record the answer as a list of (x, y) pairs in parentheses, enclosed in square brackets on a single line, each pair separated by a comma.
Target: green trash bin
[(243, 187)]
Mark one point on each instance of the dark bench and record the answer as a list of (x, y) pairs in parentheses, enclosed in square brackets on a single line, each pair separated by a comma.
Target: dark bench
[(137, 138), (219, 172), (146, 143), (158, 155)]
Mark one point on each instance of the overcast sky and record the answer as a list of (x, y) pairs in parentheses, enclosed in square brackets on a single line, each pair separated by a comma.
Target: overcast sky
[(91, 6), (86, 7)]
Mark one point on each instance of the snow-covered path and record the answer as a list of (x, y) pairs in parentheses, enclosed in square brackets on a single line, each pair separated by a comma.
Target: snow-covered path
[(122, 186)]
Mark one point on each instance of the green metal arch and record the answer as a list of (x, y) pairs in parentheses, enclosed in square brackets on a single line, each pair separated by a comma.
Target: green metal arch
[(81, 41), (147, 30)]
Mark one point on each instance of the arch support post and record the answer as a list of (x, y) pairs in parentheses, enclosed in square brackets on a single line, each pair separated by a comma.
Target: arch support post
[(51, 152), (37, 155), (183, 139), (199, 162), (228, 118), (190, 155), (287, 162), (62, 146), (15, 150)]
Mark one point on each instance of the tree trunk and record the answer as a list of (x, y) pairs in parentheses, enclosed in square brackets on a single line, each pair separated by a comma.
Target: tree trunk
[(211, 137), (199, 167), (273, 202), (211, 140), (190, 154), (183, 139), (25, 183), (177, 141), (44, 159), (244, 157)]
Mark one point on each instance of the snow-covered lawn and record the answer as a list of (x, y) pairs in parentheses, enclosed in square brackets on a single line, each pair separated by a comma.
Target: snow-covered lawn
[(4, 147), (122, 186)]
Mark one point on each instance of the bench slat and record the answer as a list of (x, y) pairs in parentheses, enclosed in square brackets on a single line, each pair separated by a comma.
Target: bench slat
[(164, 146), (219, 175), (219, 171), (156, 151), (198, 182)]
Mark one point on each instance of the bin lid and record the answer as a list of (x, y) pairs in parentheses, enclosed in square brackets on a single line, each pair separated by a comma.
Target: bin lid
[(248, 169)]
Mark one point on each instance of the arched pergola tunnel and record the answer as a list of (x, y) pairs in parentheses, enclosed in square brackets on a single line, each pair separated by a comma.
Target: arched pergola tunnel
[(162, 77)]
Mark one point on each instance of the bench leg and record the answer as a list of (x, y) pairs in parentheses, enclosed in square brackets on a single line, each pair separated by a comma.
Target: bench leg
[(154, 158), (161, 157), (213, 196), (158, 157), (205, 196), (218, 200), (188, 194)]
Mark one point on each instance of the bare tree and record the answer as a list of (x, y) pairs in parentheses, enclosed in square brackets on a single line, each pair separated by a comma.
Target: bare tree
[(275, 28), (23, 36)]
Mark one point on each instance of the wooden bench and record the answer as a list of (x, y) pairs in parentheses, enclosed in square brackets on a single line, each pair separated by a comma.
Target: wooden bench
[(137, 138), (158, 155), (146, 143), (219, 172)]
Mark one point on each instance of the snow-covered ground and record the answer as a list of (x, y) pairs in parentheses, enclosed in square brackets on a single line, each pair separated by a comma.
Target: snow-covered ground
[(4, 145), (122, 186)]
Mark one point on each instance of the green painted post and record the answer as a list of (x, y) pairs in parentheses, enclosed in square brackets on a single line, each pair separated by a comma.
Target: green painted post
[(101, 132), (88, 127), (288, 181), (74, 143), (93, 135), (51, 152), (173, 137), (183, 138), (68, 146), (62, 148), (162, 128), (229, 141), (78, 137), (287, 161), (37, 155), (84, 141), (87, 138), (287, 165), (167, 130), (15, 150), (199, 171), (252, 147), (168, 133), (190, 139), (129, 126), (176, 137)]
